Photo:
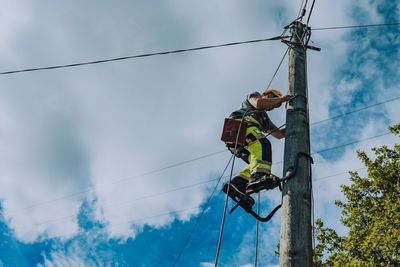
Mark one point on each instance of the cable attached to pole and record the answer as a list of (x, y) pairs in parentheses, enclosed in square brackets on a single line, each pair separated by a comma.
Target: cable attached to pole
[(277, 69), (201, 214), (311, 10), (257, 230), (227, 192)]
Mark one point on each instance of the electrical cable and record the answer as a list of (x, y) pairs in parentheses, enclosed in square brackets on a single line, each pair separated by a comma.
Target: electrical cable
[(336, 174), (141, 56), (186, 242), (351, 143), (88, 189), (354, 111), (118, 205), (257, 231), (315, 180), (196, 207), (189, 161), (227, 191), (356, 26), (277, 69), (343, 145), (311, 10), (195, 159), (184, 50), (301, 8), (199, 48)]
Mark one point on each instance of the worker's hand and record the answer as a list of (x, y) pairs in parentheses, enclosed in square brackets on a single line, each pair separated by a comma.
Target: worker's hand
[(285, 98)]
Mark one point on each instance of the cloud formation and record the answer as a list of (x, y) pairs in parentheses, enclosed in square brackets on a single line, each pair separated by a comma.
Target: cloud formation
[(103, 134)]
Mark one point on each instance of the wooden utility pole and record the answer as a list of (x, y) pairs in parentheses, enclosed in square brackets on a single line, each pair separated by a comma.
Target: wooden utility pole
[(295, 237)]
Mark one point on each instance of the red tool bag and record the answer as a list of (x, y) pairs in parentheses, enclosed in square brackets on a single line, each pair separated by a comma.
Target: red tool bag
[(231, 130)]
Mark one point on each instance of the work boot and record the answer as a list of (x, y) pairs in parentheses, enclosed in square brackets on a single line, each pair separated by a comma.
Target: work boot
[(237, 192), (260, 181), (237, 186)]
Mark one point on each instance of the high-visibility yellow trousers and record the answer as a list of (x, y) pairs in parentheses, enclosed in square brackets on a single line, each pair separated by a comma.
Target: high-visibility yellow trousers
[(258, 153)]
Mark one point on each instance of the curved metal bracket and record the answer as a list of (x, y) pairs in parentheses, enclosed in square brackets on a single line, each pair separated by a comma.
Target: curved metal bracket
[(268, 217), (292, 173)]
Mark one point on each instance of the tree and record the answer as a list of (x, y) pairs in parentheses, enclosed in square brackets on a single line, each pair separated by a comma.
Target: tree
[(371, 214)]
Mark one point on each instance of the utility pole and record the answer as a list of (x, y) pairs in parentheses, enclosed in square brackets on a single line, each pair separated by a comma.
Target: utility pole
[(296, 232)]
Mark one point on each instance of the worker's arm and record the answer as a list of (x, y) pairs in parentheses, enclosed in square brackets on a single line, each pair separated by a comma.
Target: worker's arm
[(279, 133), (275, 132), (265, 103)]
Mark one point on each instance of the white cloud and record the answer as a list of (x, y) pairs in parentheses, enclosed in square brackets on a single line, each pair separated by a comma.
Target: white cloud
[(74, 256), (99, 127), (60, 259)]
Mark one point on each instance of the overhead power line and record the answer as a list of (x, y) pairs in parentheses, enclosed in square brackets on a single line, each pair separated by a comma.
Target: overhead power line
[(354, 111), (199, 206), (141, 56), (351, 143), (218, 179), (119, 205), (336, 174), (126, 179), (76, 194), (184, 50), (356, 26), (213, 154), (343, 145), (205, 206)]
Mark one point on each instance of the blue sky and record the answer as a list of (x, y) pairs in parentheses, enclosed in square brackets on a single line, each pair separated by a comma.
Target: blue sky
[(83, 150)]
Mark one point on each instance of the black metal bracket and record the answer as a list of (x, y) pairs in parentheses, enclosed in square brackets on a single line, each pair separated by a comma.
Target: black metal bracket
[(248, 208), (292, 173), (290, 43), (268, 217)]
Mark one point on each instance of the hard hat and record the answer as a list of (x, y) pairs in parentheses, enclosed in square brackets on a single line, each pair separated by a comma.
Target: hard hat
[(275, 92)]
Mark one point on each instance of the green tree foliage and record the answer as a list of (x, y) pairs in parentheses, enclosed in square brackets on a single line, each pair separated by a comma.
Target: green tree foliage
[(371, 214)]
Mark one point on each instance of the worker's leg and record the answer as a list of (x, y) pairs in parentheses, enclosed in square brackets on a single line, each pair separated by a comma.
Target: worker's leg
[(260, 153), (260, 165), (239, 182), (258, 156)]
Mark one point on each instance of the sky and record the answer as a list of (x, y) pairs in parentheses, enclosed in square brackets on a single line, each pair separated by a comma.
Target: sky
[(115, 164)]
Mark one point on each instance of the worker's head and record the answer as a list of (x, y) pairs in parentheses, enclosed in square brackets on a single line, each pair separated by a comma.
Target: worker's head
[(272, 93)]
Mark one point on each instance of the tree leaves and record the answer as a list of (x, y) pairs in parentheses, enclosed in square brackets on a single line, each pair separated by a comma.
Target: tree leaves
[(371, 213)]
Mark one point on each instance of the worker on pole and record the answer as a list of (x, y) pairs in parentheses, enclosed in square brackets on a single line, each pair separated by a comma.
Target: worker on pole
[(256, 150)]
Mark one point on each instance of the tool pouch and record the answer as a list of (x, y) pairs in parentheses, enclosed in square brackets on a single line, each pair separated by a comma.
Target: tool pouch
[(233, 128)]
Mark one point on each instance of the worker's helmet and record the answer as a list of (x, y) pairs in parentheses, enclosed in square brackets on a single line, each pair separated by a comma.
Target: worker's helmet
[(275, 92)]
